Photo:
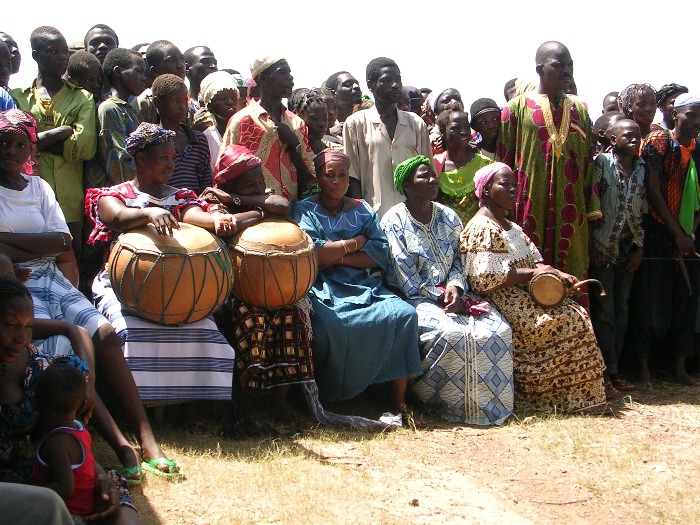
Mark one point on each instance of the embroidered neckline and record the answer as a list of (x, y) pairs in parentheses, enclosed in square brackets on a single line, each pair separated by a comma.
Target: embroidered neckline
[(556, 136)]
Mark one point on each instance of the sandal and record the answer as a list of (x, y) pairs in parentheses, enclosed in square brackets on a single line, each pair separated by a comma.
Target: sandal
[(611, 392), (172, 473), (622, 385), (132, 475), (601, 409)]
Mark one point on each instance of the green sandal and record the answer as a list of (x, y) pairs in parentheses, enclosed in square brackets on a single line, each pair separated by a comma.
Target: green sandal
[(172, 472), (132, 475)]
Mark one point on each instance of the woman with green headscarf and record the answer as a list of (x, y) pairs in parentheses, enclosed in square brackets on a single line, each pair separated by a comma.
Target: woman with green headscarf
[(465, 345)]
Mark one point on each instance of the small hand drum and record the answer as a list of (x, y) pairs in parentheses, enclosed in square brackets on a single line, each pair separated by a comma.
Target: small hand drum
[(549, 291)]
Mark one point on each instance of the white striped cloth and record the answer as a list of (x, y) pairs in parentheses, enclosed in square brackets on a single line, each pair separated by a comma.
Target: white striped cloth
[(193, 361)]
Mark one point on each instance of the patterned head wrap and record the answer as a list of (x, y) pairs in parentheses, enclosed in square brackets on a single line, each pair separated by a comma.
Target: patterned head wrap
[(214, 83), (686, 99), (328, 155), (18, 122), (233, 162), (668, 90), (483, 176), (145, 135), (404, 170), (259, 65)]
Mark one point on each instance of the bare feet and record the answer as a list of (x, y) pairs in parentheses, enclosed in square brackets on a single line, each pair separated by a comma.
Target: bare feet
[(686, 379)]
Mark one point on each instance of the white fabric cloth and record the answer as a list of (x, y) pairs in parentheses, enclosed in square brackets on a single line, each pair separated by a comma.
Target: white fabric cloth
[(214, 141), (374, 156), (31, 210)]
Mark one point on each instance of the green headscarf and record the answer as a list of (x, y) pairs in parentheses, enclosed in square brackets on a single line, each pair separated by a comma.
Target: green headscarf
[(404, 169)]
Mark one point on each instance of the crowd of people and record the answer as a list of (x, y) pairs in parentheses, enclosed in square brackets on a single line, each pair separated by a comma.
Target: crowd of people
[(431, 223)]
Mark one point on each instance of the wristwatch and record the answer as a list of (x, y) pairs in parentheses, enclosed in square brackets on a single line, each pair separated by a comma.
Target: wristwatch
[(236, 200)]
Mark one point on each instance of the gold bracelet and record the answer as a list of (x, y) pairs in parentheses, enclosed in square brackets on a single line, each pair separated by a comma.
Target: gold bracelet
[(345, 246), (357, 246)]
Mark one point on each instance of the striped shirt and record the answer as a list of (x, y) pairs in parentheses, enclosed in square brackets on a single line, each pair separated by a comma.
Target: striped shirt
[(193, 166)]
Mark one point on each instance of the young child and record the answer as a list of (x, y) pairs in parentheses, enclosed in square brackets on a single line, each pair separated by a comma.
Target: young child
[(601, 130), (192, 158), (617, 244), (311, 106), (162, 57), (486, 121), (126, 72), (638, 102), (66, 120), (219, 96), (64, 460), (85, 71)]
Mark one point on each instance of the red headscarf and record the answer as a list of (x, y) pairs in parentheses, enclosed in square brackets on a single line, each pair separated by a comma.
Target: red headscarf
[(233, 162)]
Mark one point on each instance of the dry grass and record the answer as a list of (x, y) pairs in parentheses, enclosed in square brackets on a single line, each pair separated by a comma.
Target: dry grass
[(638, 467)]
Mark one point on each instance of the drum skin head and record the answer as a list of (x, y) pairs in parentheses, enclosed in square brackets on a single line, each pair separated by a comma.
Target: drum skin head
[(274, 263), (547, 289), (170, 280)]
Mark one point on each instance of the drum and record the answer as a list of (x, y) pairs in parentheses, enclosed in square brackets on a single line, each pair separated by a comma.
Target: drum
[(170, 280), (274, 263), (549, 291)]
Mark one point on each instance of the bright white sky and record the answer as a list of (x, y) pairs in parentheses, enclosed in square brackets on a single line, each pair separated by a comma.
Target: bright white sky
[(472, 46)]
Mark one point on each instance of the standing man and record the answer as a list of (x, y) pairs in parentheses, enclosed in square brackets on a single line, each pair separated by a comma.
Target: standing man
[(200, 62), (382, 137), (273, 133), (66, 118), (546, 138), (666, 298)]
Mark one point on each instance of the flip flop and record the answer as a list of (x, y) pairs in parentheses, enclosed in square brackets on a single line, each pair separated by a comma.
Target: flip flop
[(132, 475), (152, 467)]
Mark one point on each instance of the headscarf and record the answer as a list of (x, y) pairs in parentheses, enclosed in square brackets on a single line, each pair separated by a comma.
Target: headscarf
[(668, 90), (405, 169), (234, 162), (686, 99), (482, 106), (239, 80), (524, 85), (214, 83), (483, 176), (147, 134), (259, 65), (328, 155), (18, 122), (435, 96)]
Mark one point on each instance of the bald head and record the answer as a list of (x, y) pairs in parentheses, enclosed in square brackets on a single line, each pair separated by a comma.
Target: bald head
[(548, 49)]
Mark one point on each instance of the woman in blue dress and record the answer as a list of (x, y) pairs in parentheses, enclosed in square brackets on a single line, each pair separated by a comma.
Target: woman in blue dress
[(466, 346), (362, 333)]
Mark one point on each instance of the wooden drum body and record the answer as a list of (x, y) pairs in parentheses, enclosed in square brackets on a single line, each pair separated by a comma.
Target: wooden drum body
[(548, 290), (274, 263), (170, 280)]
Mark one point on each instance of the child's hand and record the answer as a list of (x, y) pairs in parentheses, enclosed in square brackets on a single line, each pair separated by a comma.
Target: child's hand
[(107, 495)]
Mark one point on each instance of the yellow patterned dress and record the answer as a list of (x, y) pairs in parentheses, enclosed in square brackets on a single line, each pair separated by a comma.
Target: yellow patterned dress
[(556, 359)]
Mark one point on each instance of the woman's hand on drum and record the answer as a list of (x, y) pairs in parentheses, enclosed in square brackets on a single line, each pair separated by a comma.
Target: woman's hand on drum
[(224, 224), (452, 300), (568, 279), (163, 220)]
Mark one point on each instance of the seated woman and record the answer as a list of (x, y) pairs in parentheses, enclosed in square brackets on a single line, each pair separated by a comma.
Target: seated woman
[(363, 333), (33, 232), (556, 360), (154, 352), (21, 364), (273, 348), (465, 346), (457, 165)]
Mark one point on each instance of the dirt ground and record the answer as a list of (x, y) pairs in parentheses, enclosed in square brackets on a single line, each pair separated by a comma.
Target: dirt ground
[(640, 466)]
